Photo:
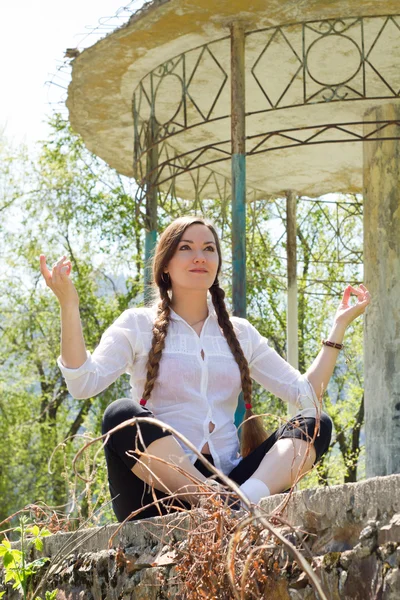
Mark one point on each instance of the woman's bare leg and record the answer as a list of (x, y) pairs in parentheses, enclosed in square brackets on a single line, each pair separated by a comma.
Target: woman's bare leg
[(280, 467), (166, 478)]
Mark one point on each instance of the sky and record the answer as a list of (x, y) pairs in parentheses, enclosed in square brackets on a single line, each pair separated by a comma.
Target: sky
[(33, 39)]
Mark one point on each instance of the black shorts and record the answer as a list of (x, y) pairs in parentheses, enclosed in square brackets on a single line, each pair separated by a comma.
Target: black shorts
[(129, 493)]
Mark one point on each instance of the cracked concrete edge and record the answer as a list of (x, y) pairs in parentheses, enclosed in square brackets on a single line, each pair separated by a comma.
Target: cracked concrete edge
[(315, 509), (139, 536), (375, 498)]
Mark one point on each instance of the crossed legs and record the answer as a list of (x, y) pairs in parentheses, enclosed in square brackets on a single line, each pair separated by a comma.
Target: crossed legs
[(284, 463), (278, 462)]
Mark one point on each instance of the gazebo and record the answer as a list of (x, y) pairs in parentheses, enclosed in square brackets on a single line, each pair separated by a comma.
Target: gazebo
[(269, 97)]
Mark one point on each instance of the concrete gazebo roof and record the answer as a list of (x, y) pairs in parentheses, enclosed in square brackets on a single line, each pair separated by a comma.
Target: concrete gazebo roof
[(106, 75)]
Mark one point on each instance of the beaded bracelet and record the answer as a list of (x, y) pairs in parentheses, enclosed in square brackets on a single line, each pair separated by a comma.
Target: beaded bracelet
[(338, 347), (332, 344)]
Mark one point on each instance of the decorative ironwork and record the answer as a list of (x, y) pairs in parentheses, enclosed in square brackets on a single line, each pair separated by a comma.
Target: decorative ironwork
[(183, 78), (338, 224), (296, 73), (361, 72), (172, 164), (311, 135), (283, 62)]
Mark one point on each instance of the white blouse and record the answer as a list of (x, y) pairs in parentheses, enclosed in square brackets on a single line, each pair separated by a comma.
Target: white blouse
[(198, 381)]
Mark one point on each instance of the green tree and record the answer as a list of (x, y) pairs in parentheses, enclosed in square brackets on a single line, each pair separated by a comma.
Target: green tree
[(65, 193)]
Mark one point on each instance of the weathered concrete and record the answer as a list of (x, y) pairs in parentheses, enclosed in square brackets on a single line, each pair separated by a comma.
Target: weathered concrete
[(382, 277), (353, 539)]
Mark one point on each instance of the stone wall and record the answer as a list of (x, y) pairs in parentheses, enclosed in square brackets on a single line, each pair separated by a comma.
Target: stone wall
[(350, 534)]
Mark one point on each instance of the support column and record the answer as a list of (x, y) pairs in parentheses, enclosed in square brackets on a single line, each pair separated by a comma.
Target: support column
[(151, 209), (292, 324), (238, 137), (382, 277), (292, 321)]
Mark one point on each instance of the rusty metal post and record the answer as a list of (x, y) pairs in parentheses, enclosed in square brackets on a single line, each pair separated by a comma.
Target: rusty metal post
[(238, 138), (151, 208)]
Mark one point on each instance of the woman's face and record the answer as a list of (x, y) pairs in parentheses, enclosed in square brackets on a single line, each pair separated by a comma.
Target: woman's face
[(195, 262)]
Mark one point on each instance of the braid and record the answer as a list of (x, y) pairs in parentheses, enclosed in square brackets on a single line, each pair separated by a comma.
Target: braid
[(253, 432), (225, 323), (160, 329)]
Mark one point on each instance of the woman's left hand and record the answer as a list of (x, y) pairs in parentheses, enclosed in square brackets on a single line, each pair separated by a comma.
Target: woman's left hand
[(346, 313)]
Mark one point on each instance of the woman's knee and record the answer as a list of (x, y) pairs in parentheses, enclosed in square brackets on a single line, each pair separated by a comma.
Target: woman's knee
[(122, 410), (323, 437), (316, 430), (325, 427), (316, 427), (141, 434)]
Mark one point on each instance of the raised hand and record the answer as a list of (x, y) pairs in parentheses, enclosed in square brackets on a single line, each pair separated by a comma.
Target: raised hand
[(346, 312), (59, 280)]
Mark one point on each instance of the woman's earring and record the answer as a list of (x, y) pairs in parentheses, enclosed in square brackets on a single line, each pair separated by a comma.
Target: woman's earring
[(162, 278)]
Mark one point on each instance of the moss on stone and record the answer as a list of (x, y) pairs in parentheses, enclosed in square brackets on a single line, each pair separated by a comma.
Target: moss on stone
[(331, 560)]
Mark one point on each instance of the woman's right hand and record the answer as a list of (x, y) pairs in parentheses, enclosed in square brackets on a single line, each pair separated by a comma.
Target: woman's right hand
[(59, 280)]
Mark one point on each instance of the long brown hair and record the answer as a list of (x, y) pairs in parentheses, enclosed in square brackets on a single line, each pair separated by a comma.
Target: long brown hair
[(253, 432)]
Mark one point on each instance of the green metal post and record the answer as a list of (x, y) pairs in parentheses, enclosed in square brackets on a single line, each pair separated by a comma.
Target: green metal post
[(151, 209), (238, 137)]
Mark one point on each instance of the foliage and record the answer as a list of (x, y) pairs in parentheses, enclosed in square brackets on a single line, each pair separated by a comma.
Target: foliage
[(37, 411), (17, 569)]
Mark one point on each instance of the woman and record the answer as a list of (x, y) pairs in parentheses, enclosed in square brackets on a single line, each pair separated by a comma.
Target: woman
[(188, 362)]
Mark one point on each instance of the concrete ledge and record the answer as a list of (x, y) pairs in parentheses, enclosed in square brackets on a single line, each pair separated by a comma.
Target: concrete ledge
[(352, 532), (327, 510), (339, 513)]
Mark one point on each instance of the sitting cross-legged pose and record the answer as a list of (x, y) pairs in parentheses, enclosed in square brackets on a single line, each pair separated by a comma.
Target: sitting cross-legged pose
[(188, 360)]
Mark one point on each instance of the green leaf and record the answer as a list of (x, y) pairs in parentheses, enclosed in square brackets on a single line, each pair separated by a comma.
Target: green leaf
[(37, 564), (8, 559), (11, 574), (5, 543), (38, 544), (49, 595), (45, 533), (17, 585), (12, 555), (17, 555)]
